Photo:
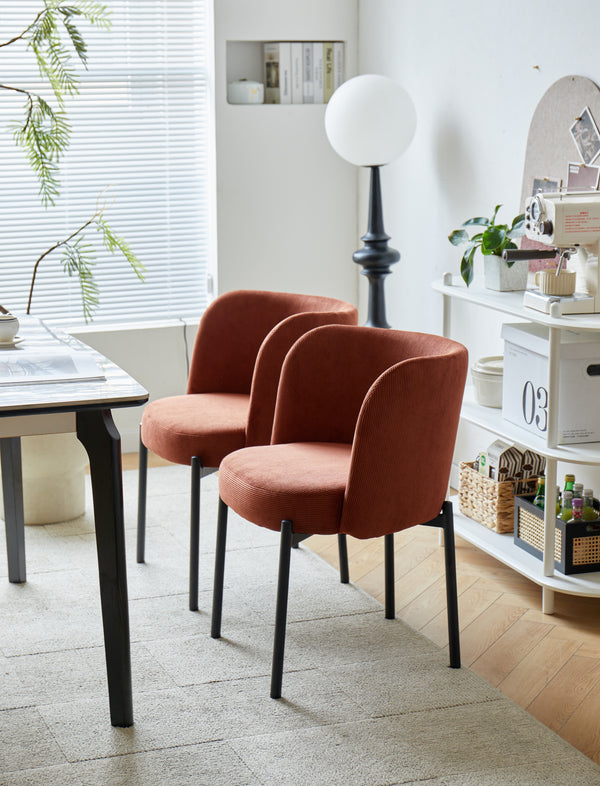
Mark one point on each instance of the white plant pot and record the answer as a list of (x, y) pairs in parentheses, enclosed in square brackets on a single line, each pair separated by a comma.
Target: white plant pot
[(502, 278), (53, 478)]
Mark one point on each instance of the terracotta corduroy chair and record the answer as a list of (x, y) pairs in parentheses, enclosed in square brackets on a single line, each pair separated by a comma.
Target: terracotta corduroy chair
[(240, 346), (362, 443)]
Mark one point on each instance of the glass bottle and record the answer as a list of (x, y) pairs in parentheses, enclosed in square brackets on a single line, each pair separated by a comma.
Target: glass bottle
[(540, 494), (558, 501), (577, 490), (577, 511), (569, 482), (566, 511), (588, 513)]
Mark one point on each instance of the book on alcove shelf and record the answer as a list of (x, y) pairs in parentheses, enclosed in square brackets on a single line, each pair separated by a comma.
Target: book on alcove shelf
[(23, 367), (297, 73), (302, 73), (308, 91), (278, 72)]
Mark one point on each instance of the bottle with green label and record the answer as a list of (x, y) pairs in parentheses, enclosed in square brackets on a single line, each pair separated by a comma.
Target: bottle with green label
[(540, 494), (569, 482)]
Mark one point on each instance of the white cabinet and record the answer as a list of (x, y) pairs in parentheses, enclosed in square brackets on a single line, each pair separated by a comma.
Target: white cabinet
[(501, 546)]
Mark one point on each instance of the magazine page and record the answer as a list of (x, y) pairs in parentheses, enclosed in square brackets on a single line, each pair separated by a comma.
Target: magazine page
[(57, 365)]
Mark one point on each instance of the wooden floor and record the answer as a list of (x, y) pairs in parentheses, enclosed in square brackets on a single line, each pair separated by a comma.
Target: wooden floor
[(549, 664)]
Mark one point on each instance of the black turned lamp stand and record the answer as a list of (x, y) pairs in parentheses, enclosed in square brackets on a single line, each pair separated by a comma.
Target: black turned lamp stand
[(376, 256), (370, 120)]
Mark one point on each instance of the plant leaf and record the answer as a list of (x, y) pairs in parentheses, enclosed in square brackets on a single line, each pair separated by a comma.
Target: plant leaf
[(492, 240), (458, 237), (466, 265), (496, 209), (479, 221), (518, 226)]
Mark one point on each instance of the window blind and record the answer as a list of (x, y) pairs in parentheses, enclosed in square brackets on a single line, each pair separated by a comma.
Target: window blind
[(140, 130)]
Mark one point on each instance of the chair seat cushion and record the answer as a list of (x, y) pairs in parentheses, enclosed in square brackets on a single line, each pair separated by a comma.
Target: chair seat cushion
[(208, 425), (303, 482)]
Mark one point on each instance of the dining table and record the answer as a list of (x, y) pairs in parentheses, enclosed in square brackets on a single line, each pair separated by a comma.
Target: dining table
[(52, 383)]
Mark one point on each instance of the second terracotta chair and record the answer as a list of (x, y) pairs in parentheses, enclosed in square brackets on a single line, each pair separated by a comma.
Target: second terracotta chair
[(362, 444), (240, 346)]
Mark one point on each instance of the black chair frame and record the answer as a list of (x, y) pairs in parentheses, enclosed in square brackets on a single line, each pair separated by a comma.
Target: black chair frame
[(445, 521)]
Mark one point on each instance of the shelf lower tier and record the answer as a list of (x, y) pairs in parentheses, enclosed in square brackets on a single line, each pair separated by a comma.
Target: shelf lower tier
[(502, 548)]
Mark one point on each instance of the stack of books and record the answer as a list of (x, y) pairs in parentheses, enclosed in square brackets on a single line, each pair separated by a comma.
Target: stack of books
[(302, 72)]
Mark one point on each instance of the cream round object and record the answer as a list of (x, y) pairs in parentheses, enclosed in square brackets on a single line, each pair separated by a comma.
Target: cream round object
[(245, 91), (53, 478), (487, 374)]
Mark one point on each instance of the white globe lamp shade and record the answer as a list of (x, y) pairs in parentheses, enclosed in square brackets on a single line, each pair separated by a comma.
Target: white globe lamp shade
[(370, 120)]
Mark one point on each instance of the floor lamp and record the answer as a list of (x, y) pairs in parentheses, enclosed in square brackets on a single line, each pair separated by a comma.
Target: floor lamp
[(370, 120)]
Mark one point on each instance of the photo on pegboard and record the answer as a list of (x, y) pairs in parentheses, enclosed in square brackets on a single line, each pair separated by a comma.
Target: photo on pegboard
[(543, 185), (582, 178), (586, 136)]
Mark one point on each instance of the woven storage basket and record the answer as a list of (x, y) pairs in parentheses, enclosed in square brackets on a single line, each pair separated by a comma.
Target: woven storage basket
[(488, 501), (576, 545)]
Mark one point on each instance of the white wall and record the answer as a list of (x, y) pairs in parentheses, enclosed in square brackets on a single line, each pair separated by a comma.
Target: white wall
[(476, 71), (286, 204)]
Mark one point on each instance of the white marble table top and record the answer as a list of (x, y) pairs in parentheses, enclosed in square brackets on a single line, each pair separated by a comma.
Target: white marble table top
[(115, 389)]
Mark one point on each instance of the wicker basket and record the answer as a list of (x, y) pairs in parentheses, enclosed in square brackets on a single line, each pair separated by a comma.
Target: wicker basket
[(576, 546), (488, 501)]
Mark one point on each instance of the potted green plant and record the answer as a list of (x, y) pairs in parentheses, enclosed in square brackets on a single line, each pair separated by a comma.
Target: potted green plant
[(492, 239)]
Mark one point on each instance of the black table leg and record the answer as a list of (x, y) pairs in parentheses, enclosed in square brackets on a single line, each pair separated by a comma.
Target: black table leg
[(12, 490), (99, 435)]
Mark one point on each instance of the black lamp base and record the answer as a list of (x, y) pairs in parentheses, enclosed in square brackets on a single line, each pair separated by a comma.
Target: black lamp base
[(376, 257)]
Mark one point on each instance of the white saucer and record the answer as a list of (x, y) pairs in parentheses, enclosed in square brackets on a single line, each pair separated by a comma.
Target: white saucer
[(9, 344)]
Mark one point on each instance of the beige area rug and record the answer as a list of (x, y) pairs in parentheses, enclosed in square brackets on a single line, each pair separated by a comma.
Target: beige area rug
[(365, 700)]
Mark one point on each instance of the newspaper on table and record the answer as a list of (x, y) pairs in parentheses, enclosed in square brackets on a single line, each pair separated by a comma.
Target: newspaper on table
[(35, 366)]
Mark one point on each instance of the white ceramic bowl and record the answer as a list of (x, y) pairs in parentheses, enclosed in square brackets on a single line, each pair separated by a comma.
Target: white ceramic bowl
[(487, 374)]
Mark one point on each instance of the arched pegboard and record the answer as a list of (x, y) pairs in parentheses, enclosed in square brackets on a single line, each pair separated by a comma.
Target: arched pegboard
[(550, 146)]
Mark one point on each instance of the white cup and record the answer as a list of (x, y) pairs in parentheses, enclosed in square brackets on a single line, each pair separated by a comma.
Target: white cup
[(9, 325)]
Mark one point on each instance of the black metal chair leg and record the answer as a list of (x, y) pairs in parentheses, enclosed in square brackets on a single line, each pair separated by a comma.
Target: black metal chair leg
[(283, 584), (196, 468), (343, 552), (451, 588), (142, 492), (390, 589), (217, 607)]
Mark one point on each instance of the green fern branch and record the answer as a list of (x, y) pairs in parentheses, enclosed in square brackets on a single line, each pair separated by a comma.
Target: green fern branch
[(78, 258), (53, 37)]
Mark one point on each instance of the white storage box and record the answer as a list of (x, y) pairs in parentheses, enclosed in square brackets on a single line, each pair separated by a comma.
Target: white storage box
[(525, 388)]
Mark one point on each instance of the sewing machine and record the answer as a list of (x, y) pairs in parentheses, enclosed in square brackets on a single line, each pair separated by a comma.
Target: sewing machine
[(570, 224)]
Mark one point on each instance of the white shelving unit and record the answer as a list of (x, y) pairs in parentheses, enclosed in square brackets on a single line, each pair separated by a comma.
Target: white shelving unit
[(502, 547)]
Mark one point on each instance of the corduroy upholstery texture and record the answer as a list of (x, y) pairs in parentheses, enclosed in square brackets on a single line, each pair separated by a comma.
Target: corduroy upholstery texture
[(239, 349), (363, 435)]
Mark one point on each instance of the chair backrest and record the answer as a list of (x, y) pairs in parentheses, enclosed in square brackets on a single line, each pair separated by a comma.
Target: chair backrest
[(396, 397), (243, 339)]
